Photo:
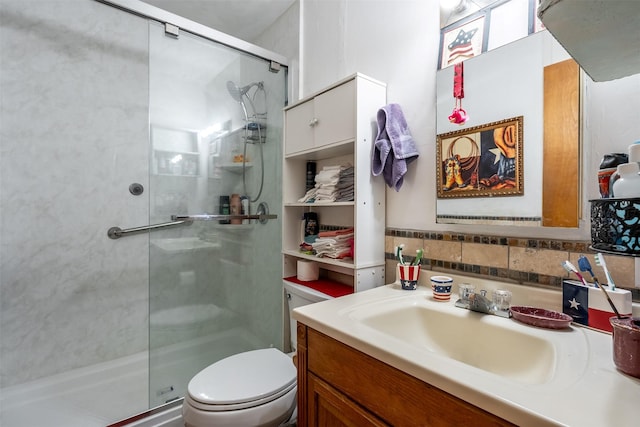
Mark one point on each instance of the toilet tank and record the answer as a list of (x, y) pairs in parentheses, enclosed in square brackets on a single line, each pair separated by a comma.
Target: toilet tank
[(297, 296)]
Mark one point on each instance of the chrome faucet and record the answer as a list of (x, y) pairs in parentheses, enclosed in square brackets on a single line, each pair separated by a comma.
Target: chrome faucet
[(481, 304)]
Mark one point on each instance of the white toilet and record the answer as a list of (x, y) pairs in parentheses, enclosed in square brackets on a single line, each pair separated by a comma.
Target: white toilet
[(255, 388)]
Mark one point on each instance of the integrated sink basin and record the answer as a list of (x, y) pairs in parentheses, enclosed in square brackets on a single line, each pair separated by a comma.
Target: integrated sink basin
[(490, 343), (528, 375)]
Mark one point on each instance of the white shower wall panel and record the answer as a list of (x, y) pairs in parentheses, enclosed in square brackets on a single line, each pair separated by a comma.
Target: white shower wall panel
[(74, 136)]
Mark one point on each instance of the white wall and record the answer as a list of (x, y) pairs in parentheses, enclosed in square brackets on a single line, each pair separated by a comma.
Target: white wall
[(397, 43), (283, 37)]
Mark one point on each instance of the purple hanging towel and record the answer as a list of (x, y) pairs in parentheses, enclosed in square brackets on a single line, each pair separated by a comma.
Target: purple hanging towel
[(394, 147)]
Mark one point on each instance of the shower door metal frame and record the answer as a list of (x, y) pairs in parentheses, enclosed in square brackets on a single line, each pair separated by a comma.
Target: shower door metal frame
[(148, 11)]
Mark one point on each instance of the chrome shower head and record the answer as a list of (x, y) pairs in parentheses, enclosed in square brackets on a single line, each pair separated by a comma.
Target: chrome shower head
[(238, 92), (235, 92)]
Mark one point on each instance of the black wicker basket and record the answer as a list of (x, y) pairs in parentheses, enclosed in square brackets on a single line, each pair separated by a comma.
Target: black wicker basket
[(615, 226)]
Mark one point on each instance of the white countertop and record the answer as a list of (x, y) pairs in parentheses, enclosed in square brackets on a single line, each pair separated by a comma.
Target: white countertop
[(586, 390)]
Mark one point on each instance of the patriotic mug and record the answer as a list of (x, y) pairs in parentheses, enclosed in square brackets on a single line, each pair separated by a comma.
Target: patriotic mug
[(441, 286)]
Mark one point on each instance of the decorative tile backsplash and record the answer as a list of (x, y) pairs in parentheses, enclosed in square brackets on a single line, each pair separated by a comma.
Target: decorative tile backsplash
[(530, 262)]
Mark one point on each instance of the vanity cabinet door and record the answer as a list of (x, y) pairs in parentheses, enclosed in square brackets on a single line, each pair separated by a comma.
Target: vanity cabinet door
[(343, 383), (328, 407)]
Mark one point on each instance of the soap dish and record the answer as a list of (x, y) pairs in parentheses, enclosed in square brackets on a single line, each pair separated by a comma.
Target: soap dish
[(540, 317)]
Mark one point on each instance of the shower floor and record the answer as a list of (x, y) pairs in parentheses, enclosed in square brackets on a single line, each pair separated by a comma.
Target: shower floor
[(105, 393)]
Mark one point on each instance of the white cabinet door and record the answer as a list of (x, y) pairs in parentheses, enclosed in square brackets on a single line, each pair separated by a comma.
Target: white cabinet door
[(299, 128), (335, 111)]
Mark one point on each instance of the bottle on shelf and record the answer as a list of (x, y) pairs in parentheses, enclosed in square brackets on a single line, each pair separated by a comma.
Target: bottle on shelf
[(224, 208), (311, 176), (236, 207), (628, 183), (244, 202), (311, 226)]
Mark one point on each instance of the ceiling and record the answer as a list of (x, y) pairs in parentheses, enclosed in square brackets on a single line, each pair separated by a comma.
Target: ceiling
[(452, 11), (244, 19), (247, 19)]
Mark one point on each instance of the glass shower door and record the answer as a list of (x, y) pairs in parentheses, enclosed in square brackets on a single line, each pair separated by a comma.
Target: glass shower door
[(216, 131)]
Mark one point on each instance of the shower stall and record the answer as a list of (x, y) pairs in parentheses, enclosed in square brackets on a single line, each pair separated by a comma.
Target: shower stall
[(123, 131)]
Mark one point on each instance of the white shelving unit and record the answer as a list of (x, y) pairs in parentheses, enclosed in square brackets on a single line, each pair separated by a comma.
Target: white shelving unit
[(336, 126)]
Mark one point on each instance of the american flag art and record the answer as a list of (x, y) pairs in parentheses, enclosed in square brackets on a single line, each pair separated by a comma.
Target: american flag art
[(462, 46), (588, 306)]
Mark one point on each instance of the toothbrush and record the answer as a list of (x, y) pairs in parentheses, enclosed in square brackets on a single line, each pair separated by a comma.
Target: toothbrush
[(399, 253), (606, 294), (572, 269), (585, 265), (418, 257), (599, 258)]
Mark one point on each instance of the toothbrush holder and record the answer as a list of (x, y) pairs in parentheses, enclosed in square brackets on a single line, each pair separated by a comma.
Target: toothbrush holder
[(409, 275)]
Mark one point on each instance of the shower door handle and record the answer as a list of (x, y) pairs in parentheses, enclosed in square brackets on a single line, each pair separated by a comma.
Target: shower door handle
[(117, 232), (207, 217), (262, 215)]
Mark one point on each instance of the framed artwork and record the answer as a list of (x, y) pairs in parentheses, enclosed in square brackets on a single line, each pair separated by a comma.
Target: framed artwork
[(482, 161), (462, 41)]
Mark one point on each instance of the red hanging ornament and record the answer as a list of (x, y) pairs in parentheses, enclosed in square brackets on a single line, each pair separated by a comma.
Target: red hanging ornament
[(459, 115)]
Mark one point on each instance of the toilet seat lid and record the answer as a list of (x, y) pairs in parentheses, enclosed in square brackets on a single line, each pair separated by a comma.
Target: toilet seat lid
[(243, 378)]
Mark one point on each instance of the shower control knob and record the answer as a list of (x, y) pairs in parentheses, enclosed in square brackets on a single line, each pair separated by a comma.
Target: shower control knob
[(136, 189)]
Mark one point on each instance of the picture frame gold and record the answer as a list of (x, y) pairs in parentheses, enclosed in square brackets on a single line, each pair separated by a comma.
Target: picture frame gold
[(481, 161)]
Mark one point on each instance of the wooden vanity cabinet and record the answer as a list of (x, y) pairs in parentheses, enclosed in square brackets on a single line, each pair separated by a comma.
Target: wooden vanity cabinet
[(341, 386)]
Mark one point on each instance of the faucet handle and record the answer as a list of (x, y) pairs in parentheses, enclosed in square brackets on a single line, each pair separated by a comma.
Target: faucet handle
[(501, 299), (465, 290)]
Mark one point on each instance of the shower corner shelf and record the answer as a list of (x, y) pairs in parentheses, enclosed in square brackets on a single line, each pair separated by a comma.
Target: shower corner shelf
[(235, 167), (176, 163), (333, 127)]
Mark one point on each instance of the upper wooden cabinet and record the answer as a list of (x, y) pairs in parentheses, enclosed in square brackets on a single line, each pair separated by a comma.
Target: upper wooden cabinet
[(326, 118)]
